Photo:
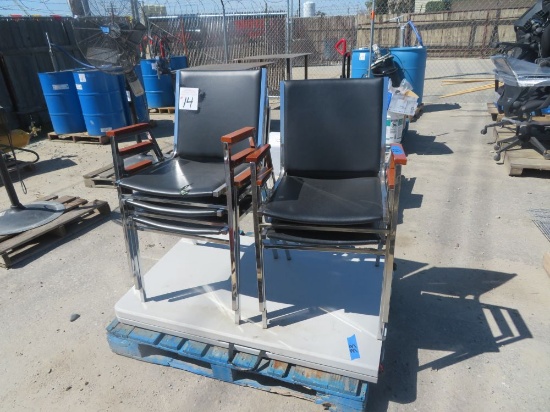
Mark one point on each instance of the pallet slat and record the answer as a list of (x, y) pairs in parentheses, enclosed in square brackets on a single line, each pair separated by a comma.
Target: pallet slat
[(168, 110), (78, 214), (334, 392), (79, 138), (105, 175)]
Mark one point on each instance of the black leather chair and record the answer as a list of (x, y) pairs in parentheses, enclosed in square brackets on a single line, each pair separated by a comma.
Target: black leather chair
[(336, 191), (204, 188)]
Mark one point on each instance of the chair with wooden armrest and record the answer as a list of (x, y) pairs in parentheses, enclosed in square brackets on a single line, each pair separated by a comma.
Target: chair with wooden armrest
[(204, 189), (336, 192)]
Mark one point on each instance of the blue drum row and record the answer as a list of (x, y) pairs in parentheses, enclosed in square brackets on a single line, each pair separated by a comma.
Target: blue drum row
[(94, 101)]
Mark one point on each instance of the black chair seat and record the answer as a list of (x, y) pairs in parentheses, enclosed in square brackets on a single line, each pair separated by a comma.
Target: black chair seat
[(334, 202), (178, 177), (216, 212), (315, 237)]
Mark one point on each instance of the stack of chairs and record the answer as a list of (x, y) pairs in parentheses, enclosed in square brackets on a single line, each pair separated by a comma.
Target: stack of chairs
[(525, 95), (204, 189), (338, 189)]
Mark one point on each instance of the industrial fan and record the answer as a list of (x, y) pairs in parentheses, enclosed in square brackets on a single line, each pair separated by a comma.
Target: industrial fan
[(109, 33)]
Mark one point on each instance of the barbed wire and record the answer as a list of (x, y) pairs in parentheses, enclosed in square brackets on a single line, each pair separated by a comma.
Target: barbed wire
[(182, 7)]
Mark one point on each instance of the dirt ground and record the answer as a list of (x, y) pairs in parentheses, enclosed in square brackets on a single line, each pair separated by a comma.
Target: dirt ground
[(469, 327)]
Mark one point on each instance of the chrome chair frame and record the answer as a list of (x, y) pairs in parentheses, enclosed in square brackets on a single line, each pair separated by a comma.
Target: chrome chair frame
[(390, 175), (139, 211)]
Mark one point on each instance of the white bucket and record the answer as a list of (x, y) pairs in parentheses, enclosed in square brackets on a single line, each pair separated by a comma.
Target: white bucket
[(394, 127)]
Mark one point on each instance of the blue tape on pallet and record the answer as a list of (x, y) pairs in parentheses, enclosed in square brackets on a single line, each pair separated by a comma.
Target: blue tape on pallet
[(353, 348)]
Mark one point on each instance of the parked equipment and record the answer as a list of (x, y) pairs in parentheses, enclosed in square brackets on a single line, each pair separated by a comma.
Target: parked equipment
[(526, 94), (523, 67), (20, 218)]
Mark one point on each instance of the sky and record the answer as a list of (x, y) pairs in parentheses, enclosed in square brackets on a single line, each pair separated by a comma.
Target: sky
[(61, 7)]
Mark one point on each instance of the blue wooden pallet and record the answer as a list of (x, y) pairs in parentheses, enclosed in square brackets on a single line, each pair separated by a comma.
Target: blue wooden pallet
[(334, 392)]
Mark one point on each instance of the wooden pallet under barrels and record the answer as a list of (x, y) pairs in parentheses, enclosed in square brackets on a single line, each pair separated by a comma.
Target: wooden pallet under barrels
[(78, 214), (79, 138)]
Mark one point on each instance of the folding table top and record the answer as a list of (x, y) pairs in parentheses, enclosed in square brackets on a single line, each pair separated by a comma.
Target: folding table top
[(273, 56), (230, 66), (318, 303)]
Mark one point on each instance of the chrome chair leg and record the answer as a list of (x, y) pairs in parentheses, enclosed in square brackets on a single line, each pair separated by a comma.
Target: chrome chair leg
[(259, 249), (234, 233), (234, 251), (380, 246), (125, 229), (261, 286), (135, 261)]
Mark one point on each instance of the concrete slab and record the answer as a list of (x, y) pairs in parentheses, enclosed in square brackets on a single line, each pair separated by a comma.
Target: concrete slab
[(469, 327)]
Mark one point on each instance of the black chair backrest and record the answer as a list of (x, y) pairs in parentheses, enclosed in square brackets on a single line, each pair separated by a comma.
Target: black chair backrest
[(521, 101), (228, 101), (332, 127)]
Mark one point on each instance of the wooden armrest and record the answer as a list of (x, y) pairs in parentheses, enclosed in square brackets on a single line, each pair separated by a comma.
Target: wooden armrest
[(136, 148), (240, 157), (257, 155), (264, 174), (398, 154), (138, 166), (391, 178), (239, 135), (242, 178), (129, 130)]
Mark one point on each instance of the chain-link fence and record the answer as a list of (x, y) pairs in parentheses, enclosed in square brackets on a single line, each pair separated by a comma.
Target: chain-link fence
[(459, 34)]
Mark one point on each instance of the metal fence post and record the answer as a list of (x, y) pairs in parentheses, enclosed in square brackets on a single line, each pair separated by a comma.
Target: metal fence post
[(225, 46)]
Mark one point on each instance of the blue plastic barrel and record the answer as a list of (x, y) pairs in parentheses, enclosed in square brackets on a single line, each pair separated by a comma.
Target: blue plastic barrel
[(101, 100), (360, 60), (178, 62), (158, 89), (140, 102), (412, 61), (62, 102)]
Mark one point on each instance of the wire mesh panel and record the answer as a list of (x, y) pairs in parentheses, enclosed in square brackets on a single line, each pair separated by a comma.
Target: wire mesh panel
[(459, 35)]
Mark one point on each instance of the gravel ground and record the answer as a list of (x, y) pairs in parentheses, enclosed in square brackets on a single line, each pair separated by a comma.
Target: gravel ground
[(469, 327)]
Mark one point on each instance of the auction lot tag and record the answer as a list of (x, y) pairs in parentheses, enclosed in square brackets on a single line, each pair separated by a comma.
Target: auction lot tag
[(189, 98)]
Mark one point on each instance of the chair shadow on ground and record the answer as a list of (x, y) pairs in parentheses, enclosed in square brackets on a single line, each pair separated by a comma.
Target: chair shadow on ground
[(416, 143), (440, 107), (407, 199), (42, 167), (321, 283), (439, 309), (432, 308)]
